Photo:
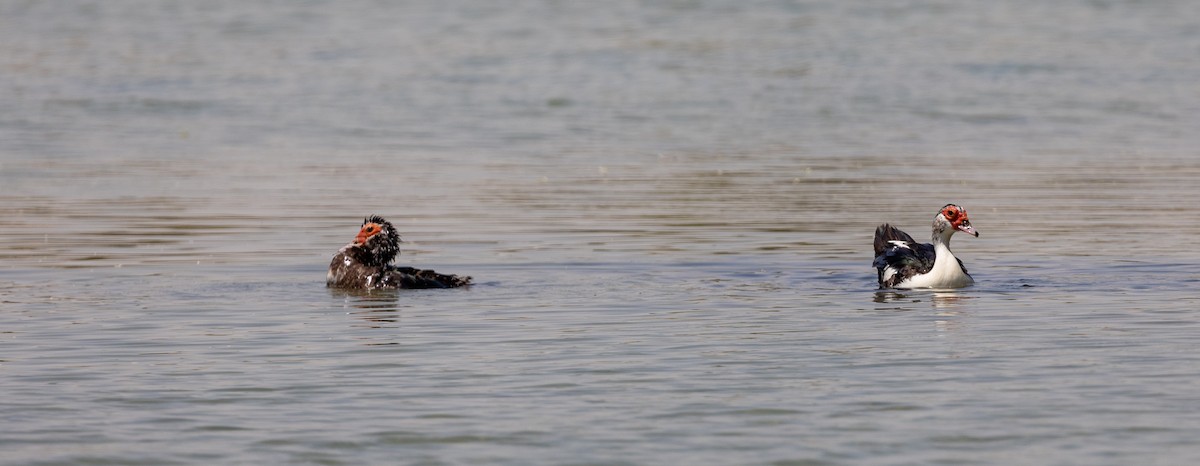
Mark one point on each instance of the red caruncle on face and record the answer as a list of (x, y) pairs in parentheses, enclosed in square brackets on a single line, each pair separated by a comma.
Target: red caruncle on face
[(367, 231)]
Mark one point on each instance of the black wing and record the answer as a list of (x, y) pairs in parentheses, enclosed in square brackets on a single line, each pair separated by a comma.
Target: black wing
[(898, 257), (886, 233), (408, 277)]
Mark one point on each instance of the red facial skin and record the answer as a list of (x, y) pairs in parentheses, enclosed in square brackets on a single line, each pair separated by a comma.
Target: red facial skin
[(958, 219), (367, 231)]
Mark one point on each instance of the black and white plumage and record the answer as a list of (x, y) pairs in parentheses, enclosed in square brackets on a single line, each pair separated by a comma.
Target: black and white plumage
[(904, 263), (365, 263)]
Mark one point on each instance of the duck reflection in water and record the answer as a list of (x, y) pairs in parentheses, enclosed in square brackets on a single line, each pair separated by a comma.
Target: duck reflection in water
[(378, 308), (942, 299), (947, 306)]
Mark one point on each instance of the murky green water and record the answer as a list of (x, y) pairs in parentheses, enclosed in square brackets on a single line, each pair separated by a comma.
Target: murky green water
[(668, 210)]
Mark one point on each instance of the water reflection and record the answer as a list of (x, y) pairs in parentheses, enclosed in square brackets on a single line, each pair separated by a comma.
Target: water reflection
[(885, 297), (948, 299), (947, 305), (376, 308), (941, 299)]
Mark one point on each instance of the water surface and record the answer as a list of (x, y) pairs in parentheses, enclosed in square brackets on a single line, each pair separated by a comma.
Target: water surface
[(667, 209)]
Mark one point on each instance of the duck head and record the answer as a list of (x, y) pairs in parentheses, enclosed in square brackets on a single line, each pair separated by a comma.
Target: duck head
[(379, 239), (950, 219)]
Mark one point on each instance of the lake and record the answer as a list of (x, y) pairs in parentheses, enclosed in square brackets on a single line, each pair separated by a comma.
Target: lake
[(667, 208)]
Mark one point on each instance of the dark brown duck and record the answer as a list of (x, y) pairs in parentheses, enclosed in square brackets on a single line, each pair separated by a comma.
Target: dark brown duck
[(366, 263)]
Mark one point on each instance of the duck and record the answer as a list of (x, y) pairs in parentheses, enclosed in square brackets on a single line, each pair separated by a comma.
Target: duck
[(366, 263), (903, 263)]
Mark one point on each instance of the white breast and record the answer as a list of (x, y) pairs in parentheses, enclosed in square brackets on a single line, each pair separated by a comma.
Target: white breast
[(946, 273)]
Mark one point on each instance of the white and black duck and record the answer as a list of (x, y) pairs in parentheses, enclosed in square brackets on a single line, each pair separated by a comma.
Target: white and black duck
[(366, 263), (904, 263)]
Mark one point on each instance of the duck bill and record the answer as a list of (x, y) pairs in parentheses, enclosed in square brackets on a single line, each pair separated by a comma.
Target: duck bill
[(968, 229)]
